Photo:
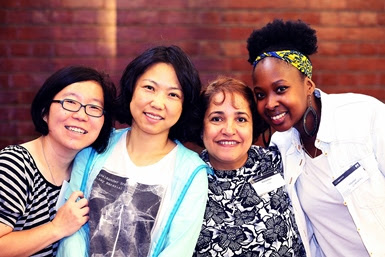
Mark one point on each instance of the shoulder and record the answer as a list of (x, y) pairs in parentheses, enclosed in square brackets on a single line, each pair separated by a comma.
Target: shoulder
[(15, 157), (189, 162), (187, 155), (349, 100)]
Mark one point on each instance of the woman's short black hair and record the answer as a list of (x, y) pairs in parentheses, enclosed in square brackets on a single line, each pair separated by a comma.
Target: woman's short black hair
[(187, 75), (279, 35), (63, 78), (229, 85)]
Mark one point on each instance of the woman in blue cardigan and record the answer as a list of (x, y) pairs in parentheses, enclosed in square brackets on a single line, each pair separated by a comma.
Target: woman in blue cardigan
[(147, 192)]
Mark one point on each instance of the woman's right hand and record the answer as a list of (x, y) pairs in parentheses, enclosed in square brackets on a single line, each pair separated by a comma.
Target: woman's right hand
[(72, 215)]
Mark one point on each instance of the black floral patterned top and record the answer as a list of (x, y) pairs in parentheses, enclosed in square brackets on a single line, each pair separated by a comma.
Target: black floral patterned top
[(239, 222)]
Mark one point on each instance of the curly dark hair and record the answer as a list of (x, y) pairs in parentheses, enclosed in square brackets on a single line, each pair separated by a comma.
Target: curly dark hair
[(279, 35)]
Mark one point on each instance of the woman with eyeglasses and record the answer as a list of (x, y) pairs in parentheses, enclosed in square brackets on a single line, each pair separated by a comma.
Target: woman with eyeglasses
[(71, 111)]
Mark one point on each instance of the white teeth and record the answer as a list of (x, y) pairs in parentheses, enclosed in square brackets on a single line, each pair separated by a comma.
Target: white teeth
[(227, 142), (78, 130), (278, 116), (153, 116)]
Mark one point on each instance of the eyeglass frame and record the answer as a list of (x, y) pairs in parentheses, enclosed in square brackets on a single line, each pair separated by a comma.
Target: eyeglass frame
[(61, 102)]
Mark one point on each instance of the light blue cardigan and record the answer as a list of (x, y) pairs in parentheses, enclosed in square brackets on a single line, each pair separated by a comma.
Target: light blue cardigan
[(180, 230)]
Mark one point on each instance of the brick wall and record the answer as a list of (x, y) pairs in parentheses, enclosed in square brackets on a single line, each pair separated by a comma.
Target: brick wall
[(38, 37)]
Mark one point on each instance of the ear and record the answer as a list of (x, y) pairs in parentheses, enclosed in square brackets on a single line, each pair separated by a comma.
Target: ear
[(44, 116), (310, 86)]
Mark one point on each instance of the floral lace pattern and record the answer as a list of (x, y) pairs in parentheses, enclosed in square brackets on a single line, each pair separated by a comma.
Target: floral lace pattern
[(239, 222)]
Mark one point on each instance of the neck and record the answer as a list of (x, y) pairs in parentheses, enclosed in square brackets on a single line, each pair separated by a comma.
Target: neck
[(145, 149), (57, 162)]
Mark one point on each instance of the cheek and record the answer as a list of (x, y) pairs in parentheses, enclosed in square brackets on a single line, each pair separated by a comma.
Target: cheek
[(209, 132), (260, 107), (247, 134)]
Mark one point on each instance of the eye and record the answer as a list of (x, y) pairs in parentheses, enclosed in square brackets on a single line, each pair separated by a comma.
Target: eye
[(175, 95), (242, 119), (94, 107), (149, 87), (70, 102), (259, 95), (216, 119), (281, 89)]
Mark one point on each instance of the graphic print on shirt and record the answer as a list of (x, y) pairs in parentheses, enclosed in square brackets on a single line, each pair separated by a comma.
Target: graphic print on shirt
[(122, 215)]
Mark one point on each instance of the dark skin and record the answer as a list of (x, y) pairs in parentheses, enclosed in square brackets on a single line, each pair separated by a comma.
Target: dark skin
[(283, 94)]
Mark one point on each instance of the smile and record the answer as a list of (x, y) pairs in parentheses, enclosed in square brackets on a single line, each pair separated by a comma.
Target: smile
[(77, 130), (226, 142), (152, 116), (277, 117)]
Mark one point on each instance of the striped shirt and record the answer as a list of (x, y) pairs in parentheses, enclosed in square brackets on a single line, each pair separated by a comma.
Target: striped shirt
[(27, 199)]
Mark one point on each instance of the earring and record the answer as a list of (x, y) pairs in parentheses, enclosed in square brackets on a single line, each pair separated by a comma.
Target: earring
[(310, 110)]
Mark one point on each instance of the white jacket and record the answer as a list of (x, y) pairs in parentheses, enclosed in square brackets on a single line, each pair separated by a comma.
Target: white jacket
[(352, 130)]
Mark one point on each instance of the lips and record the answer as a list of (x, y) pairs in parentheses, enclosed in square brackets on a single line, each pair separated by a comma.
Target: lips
[(153, 116), (277, 119), (227, 142), (76, 129)]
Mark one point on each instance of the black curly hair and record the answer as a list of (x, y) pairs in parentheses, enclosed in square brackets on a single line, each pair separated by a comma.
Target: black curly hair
[(279, 35)]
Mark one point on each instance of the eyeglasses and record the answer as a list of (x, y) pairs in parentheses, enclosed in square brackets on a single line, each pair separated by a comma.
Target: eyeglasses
[(74, 106)]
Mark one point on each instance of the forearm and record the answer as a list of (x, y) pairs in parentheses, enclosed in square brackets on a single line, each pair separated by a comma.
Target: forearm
[(28, 242)]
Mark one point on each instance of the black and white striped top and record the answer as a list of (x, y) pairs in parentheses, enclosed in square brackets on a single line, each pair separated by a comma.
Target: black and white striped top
[(27, 199)]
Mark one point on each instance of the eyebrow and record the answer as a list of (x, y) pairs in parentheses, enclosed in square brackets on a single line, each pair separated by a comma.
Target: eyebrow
[(275, 83), (152, 81), (78, 95), (222, 112)]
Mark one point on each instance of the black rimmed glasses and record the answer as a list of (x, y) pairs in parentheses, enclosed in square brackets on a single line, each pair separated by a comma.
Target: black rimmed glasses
[(74, 106)]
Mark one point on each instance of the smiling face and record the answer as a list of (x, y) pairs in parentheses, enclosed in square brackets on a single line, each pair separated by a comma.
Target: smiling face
[(281, 93), (228, 130), (157, 100), (75, 130)]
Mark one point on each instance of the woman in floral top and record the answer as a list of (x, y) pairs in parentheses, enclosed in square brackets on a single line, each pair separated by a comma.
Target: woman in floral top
[(248, 212)]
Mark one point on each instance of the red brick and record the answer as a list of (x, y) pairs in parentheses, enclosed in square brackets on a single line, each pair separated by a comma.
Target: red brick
[(349, 48), (82, 3), (367, 18), (62, 16), (328, 4), (35, 33), (368, 48), (4, 49), (239, 64), (38, 37), (20, 49), (32, 80), (210, 17), (367, 4)]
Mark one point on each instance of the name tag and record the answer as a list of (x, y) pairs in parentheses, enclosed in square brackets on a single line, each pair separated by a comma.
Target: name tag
[(351, 179), (268, 184)]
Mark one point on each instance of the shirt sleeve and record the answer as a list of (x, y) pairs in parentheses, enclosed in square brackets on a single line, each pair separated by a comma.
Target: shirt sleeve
[(15, 171)]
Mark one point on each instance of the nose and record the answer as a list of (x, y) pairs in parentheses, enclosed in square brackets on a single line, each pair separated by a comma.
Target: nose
[(229, 128), (81, 114), (158, 101), (271, 102)]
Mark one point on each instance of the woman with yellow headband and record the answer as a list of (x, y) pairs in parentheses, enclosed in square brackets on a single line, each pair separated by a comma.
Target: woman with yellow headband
[(332, 145)]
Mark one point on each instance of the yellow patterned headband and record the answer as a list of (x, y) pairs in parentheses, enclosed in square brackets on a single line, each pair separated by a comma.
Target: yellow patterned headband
[(295, 58)]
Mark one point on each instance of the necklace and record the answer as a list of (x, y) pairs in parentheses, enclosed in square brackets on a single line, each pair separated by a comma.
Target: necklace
[(45, 158), (306, 151)]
